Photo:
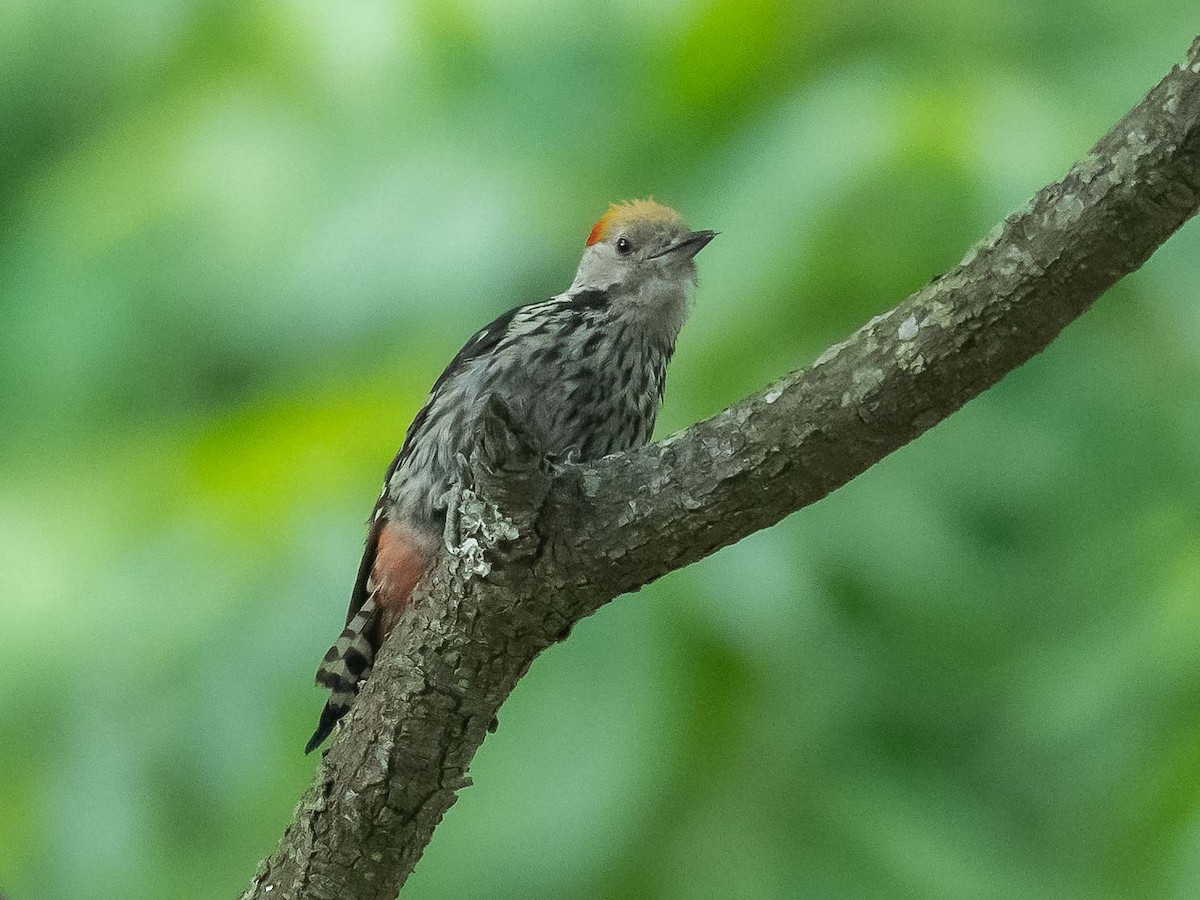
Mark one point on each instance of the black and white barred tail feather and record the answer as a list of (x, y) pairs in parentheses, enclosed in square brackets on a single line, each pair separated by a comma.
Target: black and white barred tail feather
[(345, 664)]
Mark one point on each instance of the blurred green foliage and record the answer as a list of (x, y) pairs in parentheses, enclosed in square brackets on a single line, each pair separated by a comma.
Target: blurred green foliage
[(237, 243)]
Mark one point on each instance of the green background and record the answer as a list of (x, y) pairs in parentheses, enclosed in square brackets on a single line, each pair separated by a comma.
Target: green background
[(239, 240)]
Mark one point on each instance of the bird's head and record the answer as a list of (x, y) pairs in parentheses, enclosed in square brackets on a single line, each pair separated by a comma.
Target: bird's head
[(640, 244)]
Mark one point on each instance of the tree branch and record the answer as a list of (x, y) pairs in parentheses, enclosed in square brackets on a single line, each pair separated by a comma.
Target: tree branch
[(540, 549)]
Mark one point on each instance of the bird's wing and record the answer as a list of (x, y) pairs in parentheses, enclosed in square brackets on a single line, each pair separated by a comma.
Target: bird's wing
[(482, 343)]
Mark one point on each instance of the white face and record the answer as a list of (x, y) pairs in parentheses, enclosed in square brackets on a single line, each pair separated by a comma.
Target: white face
[(635, 253)]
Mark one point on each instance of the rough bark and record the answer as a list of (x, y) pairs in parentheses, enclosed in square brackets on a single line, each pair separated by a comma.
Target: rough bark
[(539, 549)]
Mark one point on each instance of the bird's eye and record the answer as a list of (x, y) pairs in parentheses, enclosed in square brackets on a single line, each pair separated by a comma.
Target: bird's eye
[(623, 245)]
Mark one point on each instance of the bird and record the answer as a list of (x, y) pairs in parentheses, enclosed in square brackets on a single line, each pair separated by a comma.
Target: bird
[(582, 374)]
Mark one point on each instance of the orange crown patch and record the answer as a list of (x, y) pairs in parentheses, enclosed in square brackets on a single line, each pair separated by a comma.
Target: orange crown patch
[(647, 210)]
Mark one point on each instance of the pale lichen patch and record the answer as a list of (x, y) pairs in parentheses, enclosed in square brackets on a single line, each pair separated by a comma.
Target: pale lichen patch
[(829, 355), (668, 441), (1015, 259), (987, 242), (908, 357), (663, 478), (1088, 168), (718, 448), (1068, 210), (875, 320), (938, 314), (382, 747), (865, 380), (864, 340), (1125, 162), (481, 528), (591, 481)]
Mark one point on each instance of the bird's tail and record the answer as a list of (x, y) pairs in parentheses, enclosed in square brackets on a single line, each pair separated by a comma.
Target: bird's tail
[(346, 663)]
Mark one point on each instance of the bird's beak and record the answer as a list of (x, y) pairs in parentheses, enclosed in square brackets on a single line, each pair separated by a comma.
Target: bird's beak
[(688, 245)]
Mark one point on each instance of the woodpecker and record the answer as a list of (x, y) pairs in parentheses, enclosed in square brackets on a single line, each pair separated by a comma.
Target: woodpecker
[(583, 374)]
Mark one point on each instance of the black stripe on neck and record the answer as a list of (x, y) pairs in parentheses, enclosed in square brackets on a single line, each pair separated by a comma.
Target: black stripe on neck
[(589, 299)]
